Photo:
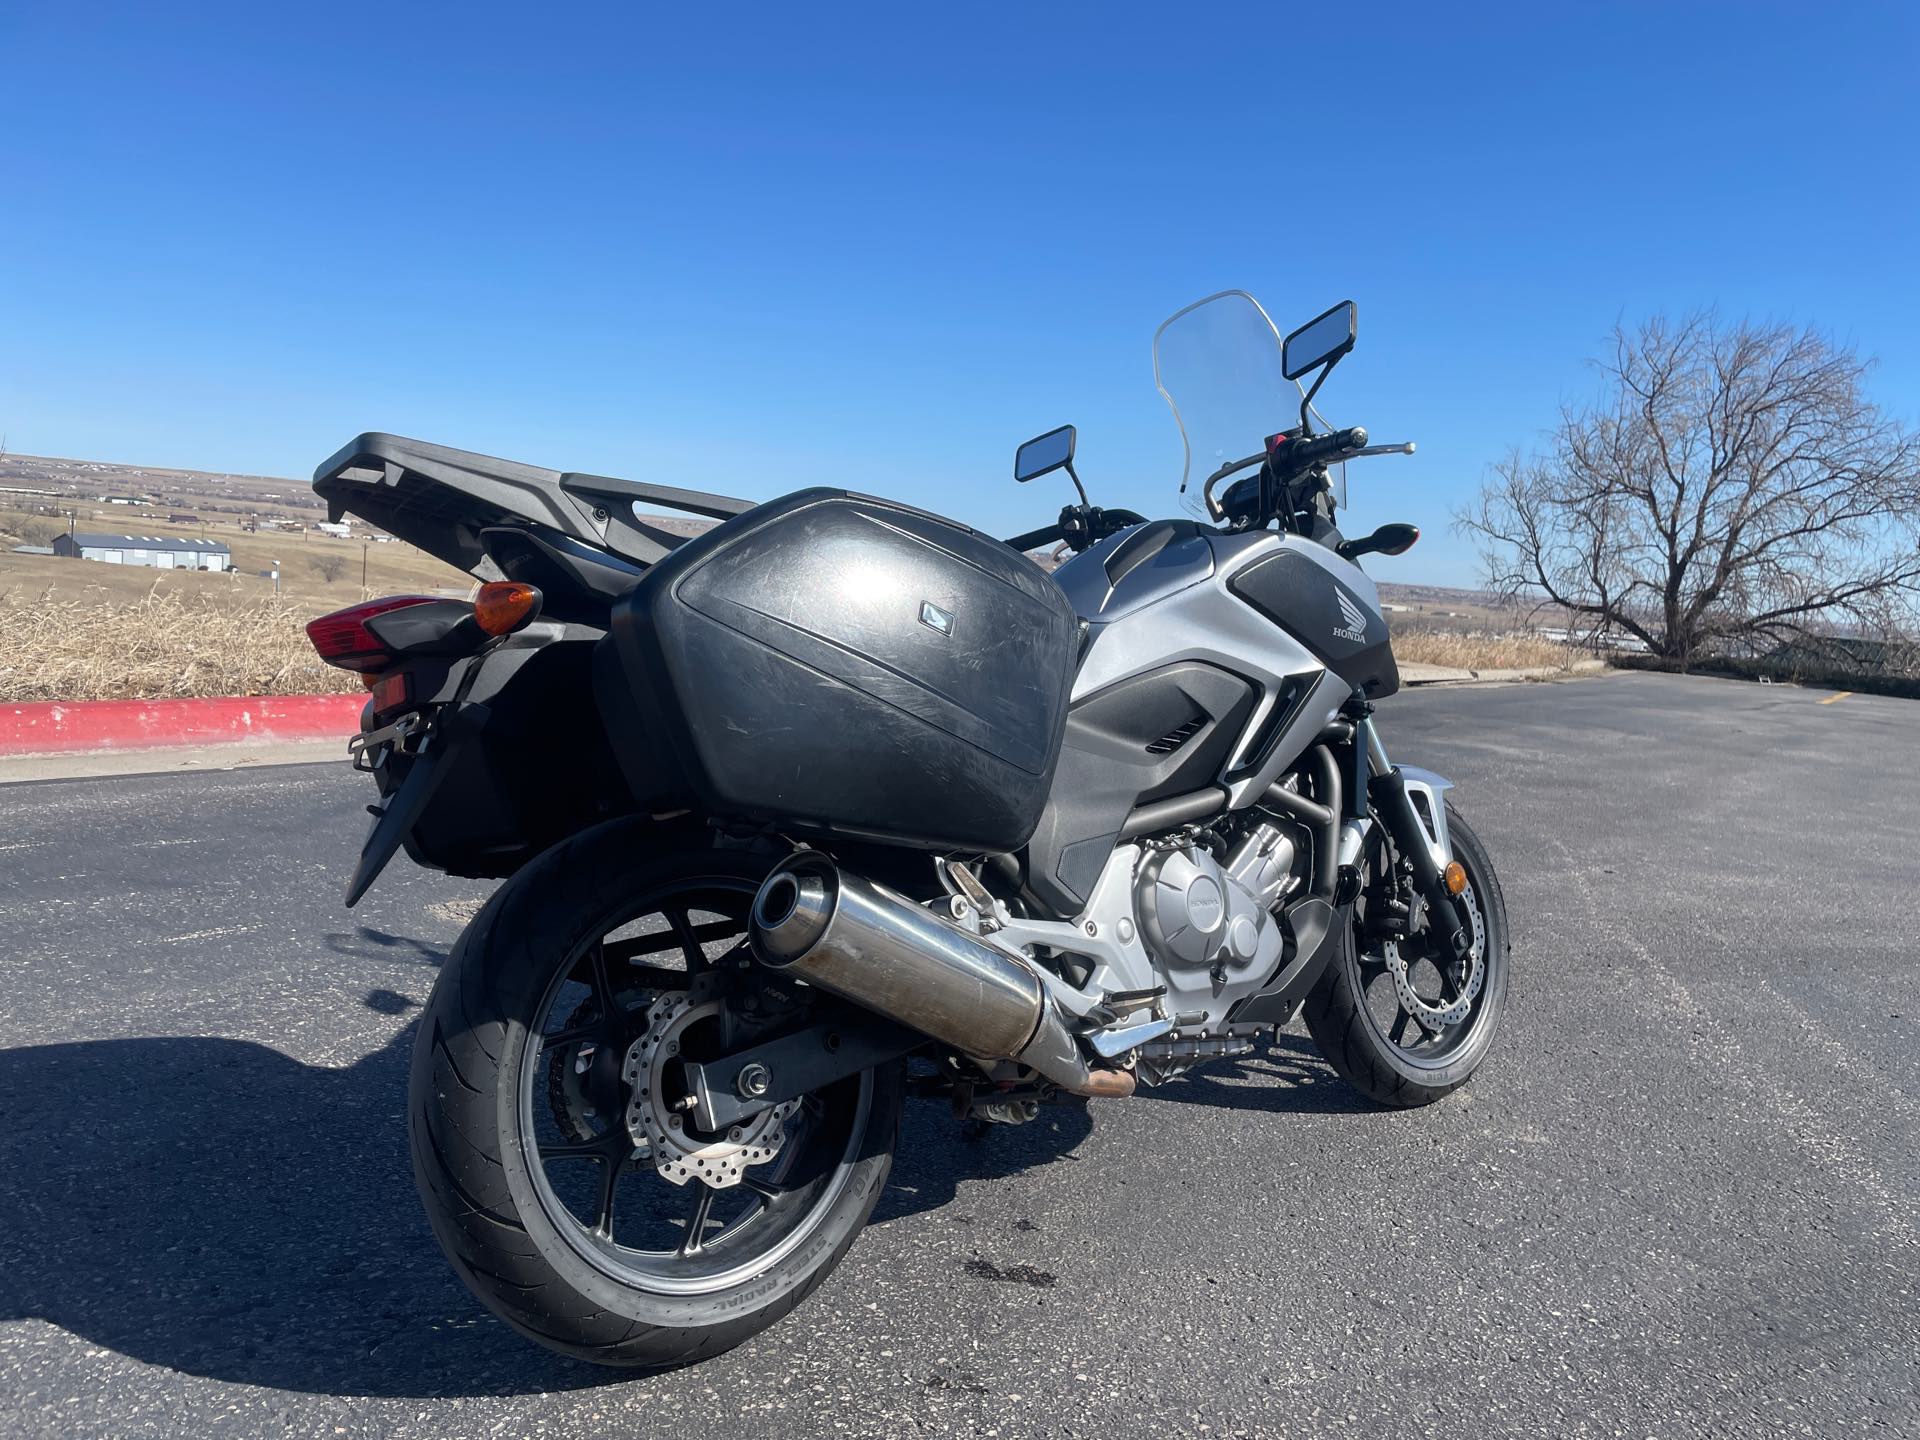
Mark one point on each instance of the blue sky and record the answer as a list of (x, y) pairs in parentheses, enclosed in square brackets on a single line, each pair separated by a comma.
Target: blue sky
[(751, 249)]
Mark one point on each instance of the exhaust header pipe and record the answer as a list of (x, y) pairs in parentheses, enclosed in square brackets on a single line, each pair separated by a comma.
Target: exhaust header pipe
[(866, 944)]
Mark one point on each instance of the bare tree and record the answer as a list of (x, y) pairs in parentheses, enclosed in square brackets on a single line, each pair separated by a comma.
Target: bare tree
[(329, 567), (1734, 484)]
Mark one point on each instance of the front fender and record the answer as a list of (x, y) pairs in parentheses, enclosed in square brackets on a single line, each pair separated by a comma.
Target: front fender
[(1428, 792)]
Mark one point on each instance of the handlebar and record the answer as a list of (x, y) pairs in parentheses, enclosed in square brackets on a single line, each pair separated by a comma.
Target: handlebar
[(1298, 454), (1290, 457), (1079, 526)]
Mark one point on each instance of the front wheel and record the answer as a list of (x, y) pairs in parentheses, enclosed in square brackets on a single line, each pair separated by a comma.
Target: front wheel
[(571, 1194), (1401, 1022)]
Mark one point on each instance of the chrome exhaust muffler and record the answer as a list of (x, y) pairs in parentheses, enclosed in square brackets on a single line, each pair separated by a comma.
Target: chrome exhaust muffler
[(866, 944)]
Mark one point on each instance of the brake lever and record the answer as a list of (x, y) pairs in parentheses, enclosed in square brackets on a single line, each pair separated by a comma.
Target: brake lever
[(1403, 449)]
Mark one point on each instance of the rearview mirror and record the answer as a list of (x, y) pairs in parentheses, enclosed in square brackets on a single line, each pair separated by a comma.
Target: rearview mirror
[(1320, 341), (1044, 454), (1387, 540)]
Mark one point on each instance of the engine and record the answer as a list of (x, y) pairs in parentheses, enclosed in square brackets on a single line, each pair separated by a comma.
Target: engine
[(1208, 922)]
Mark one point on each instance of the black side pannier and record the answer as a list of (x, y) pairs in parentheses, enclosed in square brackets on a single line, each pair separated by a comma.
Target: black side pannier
[(841, 664)]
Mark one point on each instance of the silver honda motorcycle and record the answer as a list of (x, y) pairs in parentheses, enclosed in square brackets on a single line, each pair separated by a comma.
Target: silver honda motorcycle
[(836, 801)]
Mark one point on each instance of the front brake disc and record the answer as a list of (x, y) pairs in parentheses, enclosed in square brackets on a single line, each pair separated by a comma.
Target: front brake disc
[(1453, 1011)]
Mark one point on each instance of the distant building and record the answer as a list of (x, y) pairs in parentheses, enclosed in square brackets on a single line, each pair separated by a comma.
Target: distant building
[(183, 519), (339, 531), (161, 552)]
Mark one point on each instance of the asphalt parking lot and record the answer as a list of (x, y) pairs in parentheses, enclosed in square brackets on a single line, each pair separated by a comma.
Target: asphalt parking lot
[(1680, 1200)]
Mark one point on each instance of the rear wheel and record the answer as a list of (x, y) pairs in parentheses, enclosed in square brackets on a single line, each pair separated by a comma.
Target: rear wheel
[(571, 1194), (1400, 1021)]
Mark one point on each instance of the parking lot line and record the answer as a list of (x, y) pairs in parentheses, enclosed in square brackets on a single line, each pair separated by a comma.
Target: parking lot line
[(1841, 696)]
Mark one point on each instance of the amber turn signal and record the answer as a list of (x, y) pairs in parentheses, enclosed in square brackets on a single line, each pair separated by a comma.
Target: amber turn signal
[(503, 606), (1455, 877)]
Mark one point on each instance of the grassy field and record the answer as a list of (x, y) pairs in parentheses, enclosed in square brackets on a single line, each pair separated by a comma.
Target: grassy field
[(304, 561), (1470, 651), (82, 630), (79, 629), (169, 642)]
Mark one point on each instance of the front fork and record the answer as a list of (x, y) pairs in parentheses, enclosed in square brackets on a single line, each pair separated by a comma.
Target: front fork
[(1389, 787)]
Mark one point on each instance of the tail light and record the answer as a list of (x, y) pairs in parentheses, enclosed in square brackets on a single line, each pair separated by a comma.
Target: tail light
[(343, 639)]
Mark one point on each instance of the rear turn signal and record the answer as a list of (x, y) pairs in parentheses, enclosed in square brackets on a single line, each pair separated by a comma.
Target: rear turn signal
[(343, 639), (1455, 877), (503, 606)]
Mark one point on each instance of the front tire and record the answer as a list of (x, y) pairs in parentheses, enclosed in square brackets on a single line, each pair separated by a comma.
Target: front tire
[(550, 1210), (1364, 1029)]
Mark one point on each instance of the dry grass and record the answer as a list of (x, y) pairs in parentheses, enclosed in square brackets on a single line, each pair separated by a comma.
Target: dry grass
[(1481, 652), (167, 643)]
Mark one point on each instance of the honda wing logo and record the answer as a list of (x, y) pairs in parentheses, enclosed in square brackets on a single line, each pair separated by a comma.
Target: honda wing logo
[(1353, 620)]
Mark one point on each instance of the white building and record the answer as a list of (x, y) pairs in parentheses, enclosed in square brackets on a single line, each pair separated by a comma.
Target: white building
[(161, 552)]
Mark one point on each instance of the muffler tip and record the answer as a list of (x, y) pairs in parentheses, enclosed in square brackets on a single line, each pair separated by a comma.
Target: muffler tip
[(792, 910)]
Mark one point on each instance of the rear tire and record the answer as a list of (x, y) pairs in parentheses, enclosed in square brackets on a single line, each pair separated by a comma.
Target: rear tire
[(1344, 1012), (484, 1174)]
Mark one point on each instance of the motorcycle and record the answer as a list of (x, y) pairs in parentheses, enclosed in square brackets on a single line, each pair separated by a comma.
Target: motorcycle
[(837, 801)]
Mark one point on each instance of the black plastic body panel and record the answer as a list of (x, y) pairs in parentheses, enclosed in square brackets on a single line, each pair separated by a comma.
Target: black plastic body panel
[(840, 664), (1303, 599), (1142, 543), (440, 499), (1110, 762), (576, 582), (531, 765)]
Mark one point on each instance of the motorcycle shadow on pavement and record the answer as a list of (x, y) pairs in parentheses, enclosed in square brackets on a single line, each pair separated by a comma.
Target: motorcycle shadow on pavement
[(1290, 1078), (221, 1209)]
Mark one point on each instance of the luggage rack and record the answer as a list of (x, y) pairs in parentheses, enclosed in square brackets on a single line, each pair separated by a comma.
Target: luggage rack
[(441, 499)]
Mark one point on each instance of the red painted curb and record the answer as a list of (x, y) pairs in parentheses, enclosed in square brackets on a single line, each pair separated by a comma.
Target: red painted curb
[(61, 727)]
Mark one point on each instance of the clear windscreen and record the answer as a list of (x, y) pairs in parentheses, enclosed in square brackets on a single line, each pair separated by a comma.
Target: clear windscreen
[(1218, 363)]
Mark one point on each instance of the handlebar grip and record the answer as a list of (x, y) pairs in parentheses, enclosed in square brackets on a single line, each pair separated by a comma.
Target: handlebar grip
[(1317, 447)]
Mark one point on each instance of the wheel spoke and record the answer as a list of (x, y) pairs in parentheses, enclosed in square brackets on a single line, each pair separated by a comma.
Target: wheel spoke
[(570, 1036), (689, 942), (656, 941), (602, 986), (611, 1167), (1399, 1027), (656, 977), (595, 1149), (764, 1189), (695, 1239)]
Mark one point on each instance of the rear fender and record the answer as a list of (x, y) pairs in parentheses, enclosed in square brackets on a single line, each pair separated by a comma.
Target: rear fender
[(519, 759)]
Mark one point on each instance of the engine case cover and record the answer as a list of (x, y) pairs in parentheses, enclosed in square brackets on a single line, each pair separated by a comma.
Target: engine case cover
[(1193, 913)]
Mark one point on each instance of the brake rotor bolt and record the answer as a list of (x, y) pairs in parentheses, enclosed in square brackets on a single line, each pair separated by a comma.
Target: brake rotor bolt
[(1092, 929), (673, 1122), (735, 1133)]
